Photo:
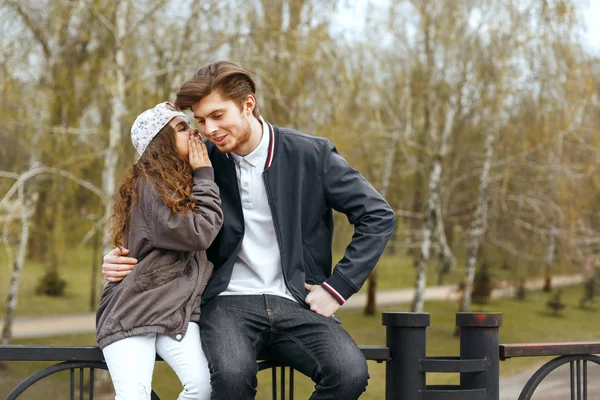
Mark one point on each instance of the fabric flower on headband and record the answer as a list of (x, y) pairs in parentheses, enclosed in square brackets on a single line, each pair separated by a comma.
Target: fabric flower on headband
[(147, 125)]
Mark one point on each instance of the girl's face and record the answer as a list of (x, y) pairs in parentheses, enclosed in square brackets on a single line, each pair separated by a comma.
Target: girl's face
[(183, 132)]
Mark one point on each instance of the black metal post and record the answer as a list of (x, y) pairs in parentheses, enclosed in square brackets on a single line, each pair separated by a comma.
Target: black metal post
[(479, 339), (406, 339)]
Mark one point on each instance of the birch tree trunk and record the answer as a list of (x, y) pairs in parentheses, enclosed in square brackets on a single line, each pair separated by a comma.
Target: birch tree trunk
[(430, 213), (479, 222), (117, 112), (26, 200), (550, 256), (370, 306), (446, 256), (555, 230), (112, 152), (183, 53), (417, 204), (15, 279)]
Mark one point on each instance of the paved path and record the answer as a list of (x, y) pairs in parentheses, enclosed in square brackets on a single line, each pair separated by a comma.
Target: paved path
[(33, 327), (556, 386), (449, 292)]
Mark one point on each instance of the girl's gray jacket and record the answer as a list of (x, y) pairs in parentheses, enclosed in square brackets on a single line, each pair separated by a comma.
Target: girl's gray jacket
[(163, 292)]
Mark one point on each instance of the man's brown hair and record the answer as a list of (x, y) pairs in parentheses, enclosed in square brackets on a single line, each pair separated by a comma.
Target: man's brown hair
[(230, 80)]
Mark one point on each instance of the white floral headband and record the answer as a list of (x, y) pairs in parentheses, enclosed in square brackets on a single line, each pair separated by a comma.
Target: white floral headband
[(150, 122)]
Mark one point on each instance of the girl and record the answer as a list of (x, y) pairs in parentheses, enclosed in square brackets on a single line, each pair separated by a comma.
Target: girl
[(167, 213)]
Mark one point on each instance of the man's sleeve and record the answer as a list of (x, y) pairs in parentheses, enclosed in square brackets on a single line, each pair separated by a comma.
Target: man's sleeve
[(348, 192)]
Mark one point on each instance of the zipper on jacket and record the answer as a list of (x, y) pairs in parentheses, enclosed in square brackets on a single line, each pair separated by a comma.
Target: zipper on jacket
[(276, 224), (231, 259)]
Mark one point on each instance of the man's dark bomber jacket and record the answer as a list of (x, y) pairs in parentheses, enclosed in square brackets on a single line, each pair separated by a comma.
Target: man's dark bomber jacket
[(305, 178)]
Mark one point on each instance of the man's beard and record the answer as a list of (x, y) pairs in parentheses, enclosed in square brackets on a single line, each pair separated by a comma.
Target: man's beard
[(242, 139), (246, 134)]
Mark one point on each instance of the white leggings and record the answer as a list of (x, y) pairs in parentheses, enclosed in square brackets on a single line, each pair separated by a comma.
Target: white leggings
[(130, 362)]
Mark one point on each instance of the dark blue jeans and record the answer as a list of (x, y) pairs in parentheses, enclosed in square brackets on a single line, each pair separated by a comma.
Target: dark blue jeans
[(237, 331)]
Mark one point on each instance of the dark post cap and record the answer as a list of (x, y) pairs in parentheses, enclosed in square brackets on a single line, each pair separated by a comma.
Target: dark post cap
[(406, 319), (479, 320)]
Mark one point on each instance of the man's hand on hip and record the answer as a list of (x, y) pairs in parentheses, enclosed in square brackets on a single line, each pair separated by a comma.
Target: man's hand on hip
[(116, 266), (320, 301)]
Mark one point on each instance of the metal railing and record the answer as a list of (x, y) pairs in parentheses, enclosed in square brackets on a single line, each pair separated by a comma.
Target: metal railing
[(78, 359), (478, 363), (577, 355), (407, 365)]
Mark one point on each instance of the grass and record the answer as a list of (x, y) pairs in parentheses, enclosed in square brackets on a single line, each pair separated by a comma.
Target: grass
[(76, 270), (393, 272), (523, 322)]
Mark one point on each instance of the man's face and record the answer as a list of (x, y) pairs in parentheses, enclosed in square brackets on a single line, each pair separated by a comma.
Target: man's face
[(222, 122)]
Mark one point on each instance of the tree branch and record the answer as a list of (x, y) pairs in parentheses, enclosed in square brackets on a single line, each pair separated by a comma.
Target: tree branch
[(47, 170), (37, 32)]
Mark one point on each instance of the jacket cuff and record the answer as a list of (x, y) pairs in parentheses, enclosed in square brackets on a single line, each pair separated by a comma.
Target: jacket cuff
[(203, 173), (338, 288)]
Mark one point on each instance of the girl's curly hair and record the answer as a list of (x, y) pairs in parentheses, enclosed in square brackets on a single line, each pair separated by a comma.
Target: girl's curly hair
[(169, 173)]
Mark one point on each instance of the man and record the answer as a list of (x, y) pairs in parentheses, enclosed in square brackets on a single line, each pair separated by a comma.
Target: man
[(272, 294)]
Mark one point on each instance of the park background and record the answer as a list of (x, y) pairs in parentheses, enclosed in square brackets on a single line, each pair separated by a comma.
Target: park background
[(476, 119)]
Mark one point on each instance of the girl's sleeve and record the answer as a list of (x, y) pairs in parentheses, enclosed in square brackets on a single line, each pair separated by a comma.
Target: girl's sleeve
[(194, 230)]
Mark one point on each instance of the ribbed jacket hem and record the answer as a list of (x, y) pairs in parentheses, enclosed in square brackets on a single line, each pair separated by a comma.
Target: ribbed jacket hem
[(142, 330), (338, 287)]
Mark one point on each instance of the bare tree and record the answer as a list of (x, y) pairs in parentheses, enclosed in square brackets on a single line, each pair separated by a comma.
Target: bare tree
[(15, 280), (433, 199), (388, 168), (27, 197), (479, 221), (117, 90)]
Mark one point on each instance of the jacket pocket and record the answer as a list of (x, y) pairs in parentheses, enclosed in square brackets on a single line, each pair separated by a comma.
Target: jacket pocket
[(104, 320), (155, 277), (317, 252), (311, 271)]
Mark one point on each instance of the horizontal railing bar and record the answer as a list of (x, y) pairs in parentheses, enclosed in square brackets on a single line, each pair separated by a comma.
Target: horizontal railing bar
[(93, 353), (548, 349), (442, 387), (375, 353), (452, 364), (50, 353), (453, 394), (262, 365)]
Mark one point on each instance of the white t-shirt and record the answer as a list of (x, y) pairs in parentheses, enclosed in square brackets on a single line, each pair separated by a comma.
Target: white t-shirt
[(257, 269)]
